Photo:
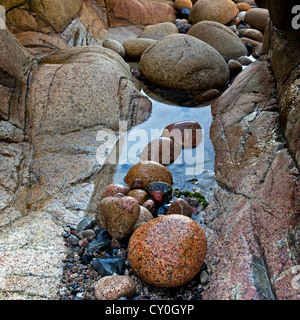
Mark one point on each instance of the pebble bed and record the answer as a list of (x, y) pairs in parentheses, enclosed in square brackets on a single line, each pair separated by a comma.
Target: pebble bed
[(80, 273)]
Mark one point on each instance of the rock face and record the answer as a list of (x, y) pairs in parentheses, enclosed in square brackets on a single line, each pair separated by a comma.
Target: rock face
[(224, 40), (221, 11), (257, 228), (57, 13), (167, 251), (183, 62)]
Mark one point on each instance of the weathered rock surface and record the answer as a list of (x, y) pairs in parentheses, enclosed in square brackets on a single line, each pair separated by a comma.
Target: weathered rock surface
[(255, 248), (225, 41), (183, 62), (167, 251)]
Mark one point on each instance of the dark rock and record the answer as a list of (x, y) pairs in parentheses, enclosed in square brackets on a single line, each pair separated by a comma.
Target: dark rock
[(137, 184), (183, 13), (163, 187), (86, 223), (86, 258), (183, 27), (97, 245), (73, 240), (109, 266)]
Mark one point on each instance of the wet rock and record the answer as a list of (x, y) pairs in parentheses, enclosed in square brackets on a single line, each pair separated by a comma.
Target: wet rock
[(148, 171), (163, 150), (88, 233), (157, 197), (207, 95), (257, 18), (167, 251), (183, 4), (199, 65), (220, 37), (221, 11), (108, 266), (158, 31), (187, 134), (162, 187), (119, 215), (97, 245), (114, 287), (183, 13), (112, 189), (134, 48), (145, 215), (179, 206), (115, 46), (235, 67), (86, 223), (140, 195)]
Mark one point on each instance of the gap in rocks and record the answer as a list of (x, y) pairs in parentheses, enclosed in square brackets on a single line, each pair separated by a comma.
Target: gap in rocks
[(168, 106)]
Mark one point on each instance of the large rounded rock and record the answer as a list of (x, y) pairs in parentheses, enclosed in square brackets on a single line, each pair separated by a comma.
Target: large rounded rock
[(224, 40), (183, 62), (119, 215), (148, 171), (217, 10), (167, 251)]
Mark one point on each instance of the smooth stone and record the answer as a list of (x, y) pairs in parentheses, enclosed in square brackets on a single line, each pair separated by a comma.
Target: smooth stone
[(167, 251), (108, 266), (158, 31), (187, 134), (114, 288), (257, 18), (243, 6), (183, 62), (163, 150), (115, 46), (207, 95), (220, 37), (137, 184), (88, 233), (244, 61), (183, 27), (73, 240), (222, 11), (112, 189), (252, 34), (183, 4), (119, 215), (179, 206), (157, 197), (134, 48), (140, 195), (145, 216), (149, 205), (235, 67)]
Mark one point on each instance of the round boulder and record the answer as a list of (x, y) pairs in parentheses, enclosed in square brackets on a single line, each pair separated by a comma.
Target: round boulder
[(158, 31), (134, 48), (147, 172), (257, 18), (224, 40), (167, 251), (221, 11), (184, 62)]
